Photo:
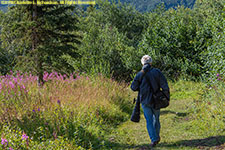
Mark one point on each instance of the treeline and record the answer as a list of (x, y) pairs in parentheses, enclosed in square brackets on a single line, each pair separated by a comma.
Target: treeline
[(3, 8), (143, 5), (111, 38), (149, 5)]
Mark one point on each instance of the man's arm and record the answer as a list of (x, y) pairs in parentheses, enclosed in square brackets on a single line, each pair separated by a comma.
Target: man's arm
[(135, 85)]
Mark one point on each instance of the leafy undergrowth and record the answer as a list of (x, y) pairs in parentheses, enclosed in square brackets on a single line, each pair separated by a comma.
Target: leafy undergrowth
[(74, 112)]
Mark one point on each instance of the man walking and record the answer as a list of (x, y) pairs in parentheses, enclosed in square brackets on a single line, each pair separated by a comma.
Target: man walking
[(141, 84)]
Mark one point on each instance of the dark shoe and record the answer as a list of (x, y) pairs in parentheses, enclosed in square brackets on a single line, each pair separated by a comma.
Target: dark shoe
[(158, 140), (153, 144)]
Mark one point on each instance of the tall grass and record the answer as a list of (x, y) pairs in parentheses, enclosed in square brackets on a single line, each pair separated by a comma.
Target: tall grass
[(81, 112), (73, 111), (209, 117)]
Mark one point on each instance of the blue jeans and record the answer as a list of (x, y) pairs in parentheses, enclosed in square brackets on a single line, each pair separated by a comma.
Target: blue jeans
[(152, 121)]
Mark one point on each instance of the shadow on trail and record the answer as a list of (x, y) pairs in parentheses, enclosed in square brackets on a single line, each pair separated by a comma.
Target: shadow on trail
[(214, 143), (179, 114), (117, 146)]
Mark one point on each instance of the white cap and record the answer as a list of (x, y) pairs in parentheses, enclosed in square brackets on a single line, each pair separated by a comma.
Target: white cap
[(146, 59)]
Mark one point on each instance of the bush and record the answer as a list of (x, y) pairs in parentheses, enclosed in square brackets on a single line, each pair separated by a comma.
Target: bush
[(172, 40)]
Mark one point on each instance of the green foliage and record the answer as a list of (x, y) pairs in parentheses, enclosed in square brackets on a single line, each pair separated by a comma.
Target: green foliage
[(6, 57), (216, 56), (6, 61), (41, 40), (125, 18), (214, 23), (14, 136), (110, 33), (182, 41), (101, 53), (101, 48), (173, 41)]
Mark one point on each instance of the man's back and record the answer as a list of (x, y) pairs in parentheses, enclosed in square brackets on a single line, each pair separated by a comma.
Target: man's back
[(141, 84)]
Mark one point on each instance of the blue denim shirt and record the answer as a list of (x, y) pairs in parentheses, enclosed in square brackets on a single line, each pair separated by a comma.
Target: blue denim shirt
[(157, 80)]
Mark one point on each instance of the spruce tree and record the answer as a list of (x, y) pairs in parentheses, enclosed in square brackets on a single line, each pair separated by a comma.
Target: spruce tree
[(41, 36)]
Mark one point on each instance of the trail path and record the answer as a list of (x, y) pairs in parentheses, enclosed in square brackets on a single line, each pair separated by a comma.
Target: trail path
[(175, 124)]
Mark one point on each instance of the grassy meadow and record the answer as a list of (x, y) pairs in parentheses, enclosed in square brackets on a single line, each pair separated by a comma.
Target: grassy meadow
[(82, 112), (74, 112)]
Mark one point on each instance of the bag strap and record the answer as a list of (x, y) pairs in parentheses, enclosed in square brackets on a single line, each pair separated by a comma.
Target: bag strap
[(150, 84), (148, 80)]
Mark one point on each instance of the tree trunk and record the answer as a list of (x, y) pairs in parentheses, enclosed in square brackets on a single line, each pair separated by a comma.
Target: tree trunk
[(35, 45)]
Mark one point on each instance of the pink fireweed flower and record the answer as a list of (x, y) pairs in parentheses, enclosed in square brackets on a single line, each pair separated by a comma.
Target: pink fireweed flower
[(17, 74), (23, 87), (71, 77), (50, 76), (0, 86), (60, 77), (4, 141), (27, 79), (24, 136), (45, 77), (10, 148), (7, 76), (78, 77), (11, 84), (15, 80), (65, 76), (217, 74)]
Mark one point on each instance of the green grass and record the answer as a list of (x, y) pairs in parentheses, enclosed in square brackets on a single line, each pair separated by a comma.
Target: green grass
[(177, 132), (93, 113)]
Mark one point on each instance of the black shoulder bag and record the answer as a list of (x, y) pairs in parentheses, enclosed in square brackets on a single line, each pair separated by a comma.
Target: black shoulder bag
[(160, 100)]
